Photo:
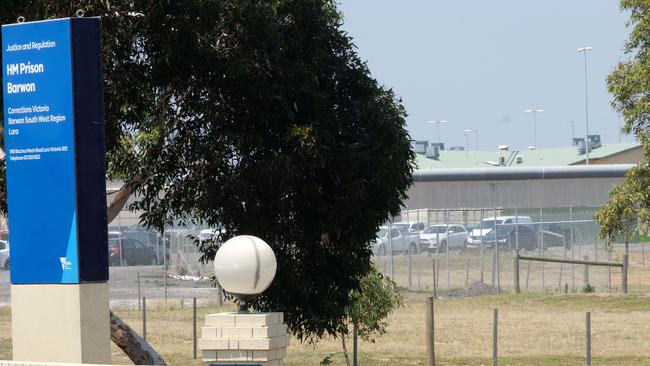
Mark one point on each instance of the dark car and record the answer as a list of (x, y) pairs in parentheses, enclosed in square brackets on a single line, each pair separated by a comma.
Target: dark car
[(528, 236), (511, 236), (131, 252)]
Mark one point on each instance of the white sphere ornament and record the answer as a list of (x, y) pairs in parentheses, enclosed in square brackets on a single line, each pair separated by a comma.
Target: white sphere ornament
[(245, 265)]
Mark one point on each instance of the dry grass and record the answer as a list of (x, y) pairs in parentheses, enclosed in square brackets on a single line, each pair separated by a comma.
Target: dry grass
[(541, 329), (535, 329)]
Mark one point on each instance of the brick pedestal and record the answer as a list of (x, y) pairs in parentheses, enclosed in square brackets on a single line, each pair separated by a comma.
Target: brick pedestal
[(244, 339)]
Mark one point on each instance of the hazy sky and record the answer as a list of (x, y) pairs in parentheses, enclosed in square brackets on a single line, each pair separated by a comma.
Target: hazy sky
[(479, 64)]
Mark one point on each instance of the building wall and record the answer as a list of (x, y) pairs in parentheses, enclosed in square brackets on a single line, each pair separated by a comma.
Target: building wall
[(632, 156), (542, 193)]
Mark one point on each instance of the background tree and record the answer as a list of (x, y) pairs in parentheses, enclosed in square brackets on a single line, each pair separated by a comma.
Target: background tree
[(629, 206), (256, 117), (369, 308)]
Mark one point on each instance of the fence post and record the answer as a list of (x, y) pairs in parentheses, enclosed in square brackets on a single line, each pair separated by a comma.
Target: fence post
[(467, 274), (482, 263), (434, 278), (165, 269), (495, 337), (144, 318), (410, 268), (431, 354), (139, 296), (586, 276), (516, 272), (588, 338), (219, 295), (494, 253), (194, 326), (626, 260)]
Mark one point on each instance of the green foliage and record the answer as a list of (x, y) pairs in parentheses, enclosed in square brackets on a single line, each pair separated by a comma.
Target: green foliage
[(589, 289), (628, 209), (259, 118), (371, 304)]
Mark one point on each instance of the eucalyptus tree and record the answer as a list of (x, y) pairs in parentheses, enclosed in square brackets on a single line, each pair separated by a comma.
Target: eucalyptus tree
[(628, 209), (257, 117)]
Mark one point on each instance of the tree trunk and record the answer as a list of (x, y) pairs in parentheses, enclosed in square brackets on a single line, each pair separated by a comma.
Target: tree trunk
[(345, 350), (134, 346), (121, 197), (138, 350)]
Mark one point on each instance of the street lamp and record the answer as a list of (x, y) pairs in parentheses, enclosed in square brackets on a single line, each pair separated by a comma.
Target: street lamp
[(534, 112), (573, 134), (245, 266), (584, 50), (475, 134), (438, 127)]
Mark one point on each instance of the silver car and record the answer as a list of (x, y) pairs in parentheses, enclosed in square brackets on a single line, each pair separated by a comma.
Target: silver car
[(448, 236)]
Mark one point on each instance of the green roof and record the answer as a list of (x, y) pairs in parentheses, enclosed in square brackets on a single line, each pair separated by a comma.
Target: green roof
[(541, 157)]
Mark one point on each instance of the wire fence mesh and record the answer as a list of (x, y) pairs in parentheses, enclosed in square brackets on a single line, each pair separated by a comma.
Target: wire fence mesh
[(471, 252), (459, 252)]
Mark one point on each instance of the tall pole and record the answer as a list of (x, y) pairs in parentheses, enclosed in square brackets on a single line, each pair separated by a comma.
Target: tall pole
[(437, 123), (534, 112), (535, 129), (584, 50), (466, 142), (467, 132)]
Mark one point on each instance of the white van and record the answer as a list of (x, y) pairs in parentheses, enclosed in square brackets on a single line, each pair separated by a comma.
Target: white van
[(477, 235)]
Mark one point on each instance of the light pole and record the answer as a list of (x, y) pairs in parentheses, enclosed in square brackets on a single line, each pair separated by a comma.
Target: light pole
[(584, 50), (438, 127), (573, 132), (476, 135), (466, 133), (534, 112)]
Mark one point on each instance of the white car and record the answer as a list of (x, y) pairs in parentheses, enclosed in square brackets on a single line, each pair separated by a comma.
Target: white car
[(478, 234), (404, 237), (449, 237), (4, 254)]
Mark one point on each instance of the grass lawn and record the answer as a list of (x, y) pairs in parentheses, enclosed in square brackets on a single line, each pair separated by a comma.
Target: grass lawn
[(534, 329)]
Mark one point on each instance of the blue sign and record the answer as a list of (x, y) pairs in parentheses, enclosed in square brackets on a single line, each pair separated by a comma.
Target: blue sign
[(54, 140)]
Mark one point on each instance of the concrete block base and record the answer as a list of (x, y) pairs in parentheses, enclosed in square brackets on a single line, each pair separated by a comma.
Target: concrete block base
[(61, 323), (244, 339)]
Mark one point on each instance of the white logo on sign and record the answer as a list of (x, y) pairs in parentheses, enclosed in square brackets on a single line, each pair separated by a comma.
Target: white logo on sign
[(65, 264)]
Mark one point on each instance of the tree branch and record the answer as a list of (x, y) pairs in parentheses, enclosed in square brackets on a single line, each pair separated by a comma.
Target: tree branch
[(138, 350), (122, 196)]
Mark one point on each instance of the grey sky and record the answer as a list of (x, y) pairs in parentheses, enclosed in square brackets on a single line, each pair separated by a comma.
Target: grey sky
[(479, 64)]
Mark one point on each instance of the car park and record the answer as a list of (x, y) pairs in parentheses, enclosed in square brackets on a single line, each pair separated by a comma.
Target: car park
[(449, 237)]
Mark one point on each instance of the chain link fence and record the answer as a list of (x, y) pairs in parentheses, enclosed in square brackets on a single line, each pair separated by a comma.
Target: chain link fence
[(456, 252), (471, 252)]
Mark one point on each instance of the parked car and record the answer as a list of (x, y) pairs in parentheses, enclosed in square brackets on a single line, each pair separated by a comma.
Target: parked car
[(384, 239), (527, 236), (134, 247), (511, 236), (131, 252), (4, 254), (478, 234), (400, 236), (550, 234), (449, 237)]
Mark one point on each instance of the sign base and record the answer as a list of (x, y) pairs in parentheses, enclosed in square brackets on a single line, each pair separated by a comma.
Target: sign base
[(61, 323)]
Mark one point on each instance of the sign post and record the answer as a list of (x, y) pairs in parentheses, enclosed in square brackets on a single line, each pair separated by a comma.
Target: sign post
[(56, 190)]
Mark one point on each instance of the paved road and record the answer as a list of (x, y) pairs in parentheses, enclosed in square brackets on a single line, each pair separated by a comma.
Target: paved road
[(123, 285)]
